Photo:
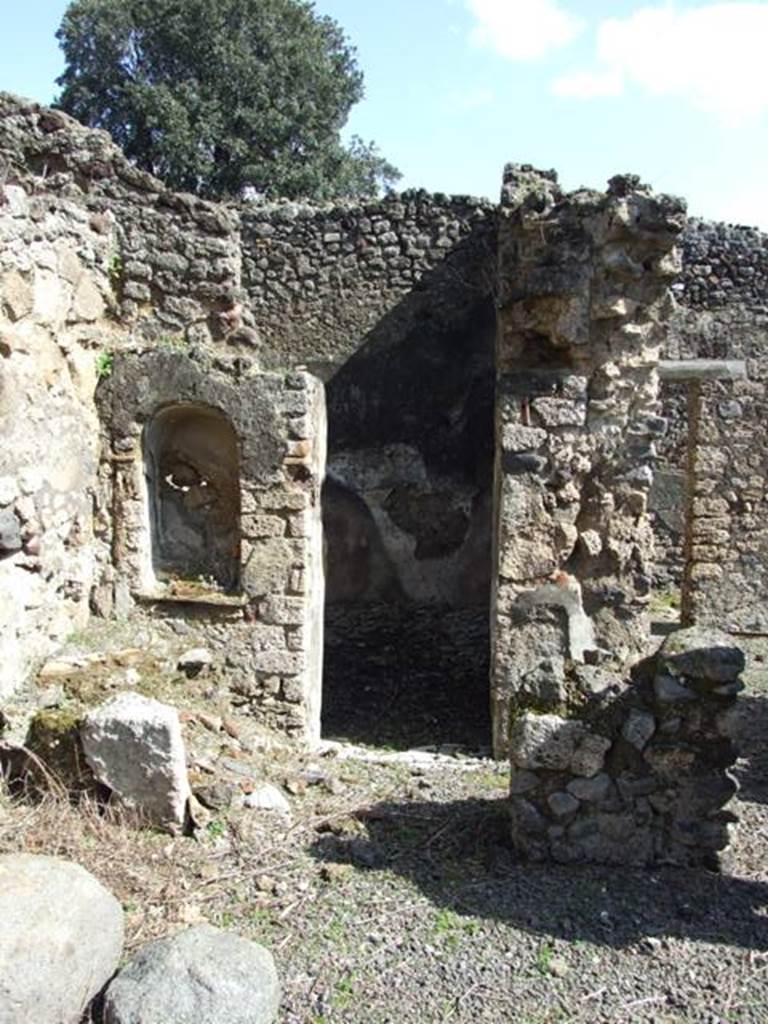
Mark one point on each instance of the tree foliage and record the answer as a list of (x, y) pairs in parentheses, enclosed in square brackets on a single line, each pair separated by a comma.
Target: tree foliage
[(220, 96)]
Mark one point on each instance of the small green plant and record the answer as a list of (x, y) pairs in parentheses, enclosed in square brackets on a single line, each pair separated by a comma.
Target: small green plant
[(104, 364), (544, 959), (336, 928), (345, 990), (450, 926), (216, 828), (116, 271)]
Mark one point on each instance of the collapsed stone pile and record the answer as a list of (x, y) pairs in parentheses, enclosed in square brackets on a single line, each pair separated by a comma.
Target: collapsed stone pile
[(637, 772)]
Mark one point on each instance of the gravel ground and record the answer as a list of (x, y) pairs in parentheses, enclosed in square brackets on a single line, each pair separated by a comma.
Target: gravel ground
[(389, 895)]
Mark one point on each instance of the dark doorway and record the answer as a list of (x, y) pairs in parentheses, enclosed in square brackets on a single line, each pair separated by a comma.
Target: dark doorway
[(407, 515)]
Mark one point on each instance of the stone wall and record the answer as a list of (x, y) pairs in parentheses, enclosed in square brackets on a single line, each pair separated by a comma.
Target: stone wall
[(263, 626), (323, 281), (118, 266), (639, 776), (94, 254), (169, 299), (583, 293), (722, 313), (726, 556), (55, 301)]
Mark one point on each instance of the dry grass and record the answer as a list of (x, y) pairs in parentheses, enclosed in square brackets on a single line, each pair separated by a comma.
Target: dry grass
[(233, 870)]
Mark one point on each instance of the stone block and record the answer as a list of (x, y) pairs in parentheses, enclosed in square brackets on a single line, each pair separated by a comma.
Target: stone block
[(638, 728), (133, 745), (562, 804), (9, 490), (591, 790), (526, 820), (268, 566), (257, 527), (279, 662), (283, 611), (589, 756), (701, 653), (515, 437), (10, 533), (17, 296), (560, 412), (544, 741)]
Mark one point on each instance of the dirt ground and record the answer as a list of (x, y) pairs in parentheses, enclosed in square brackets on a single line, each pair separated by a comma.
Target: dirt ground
[(389, 895)]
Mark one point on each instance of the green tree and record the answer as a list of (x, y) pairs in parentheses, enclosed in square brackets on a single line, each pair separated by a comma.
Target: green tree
[(218, 96)]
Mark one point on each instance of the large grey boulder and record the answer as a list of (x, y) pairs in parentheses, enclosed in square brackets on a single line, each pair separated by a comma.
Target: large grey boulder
[(60, 940), (133, 745), (200, 976)]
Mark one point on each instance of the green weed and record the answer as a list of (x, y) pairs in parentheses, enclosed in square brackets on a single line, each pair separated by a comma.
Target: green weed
[(104, 364), (544, 959)]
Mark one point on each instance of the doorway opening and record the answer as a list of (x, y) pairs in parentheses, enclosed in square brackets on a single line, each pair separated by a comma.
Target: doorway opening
[(407, 517)]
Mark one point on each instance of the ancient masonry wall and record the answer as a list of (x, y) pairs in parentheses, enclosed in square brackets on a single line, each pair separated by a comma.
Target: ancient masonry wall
[(605, 767), (323, 281), (101, 260), (120, 300), (639, 775), (262, 632), (583, 291), (92, 254), (726, 555), (722, 313)]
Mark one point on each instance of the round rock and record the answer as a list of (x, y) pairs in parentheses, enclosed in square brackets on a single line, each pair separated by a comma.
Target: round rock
[(202, 974), (60, 941)]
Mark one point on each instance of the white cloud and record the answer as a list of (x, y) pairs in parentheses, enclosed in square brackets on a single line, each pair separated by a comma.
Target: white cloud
[(522, 30), (713, 56)]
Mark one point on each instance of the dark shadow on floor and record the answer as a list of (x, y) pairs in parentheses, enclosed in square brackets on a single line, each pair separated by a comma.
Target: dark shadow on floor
[(457, 854), (752, 742), (403, 676)]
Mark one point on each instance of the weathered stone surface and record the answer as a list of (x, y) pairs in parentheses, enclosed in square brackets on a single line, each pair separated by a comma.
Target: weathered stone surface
[(523, 782), (591, 790), (268, 798), (702, 653), (518, 438), (563, 804), (17, 295), (589, 755), (669, 691), (638, 728), (658, 796), (199, 975), (544, 741), (133, 745), (60, 942), (10, 533)]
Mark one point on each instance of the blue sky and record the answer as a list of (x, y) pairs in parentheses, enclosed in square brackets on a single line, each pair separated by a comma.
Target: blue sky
[(674, 91)]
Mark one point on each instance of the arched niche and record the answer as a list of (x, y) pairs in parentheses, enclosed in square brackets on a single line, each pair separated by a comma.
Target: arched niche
[(192, 471)]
